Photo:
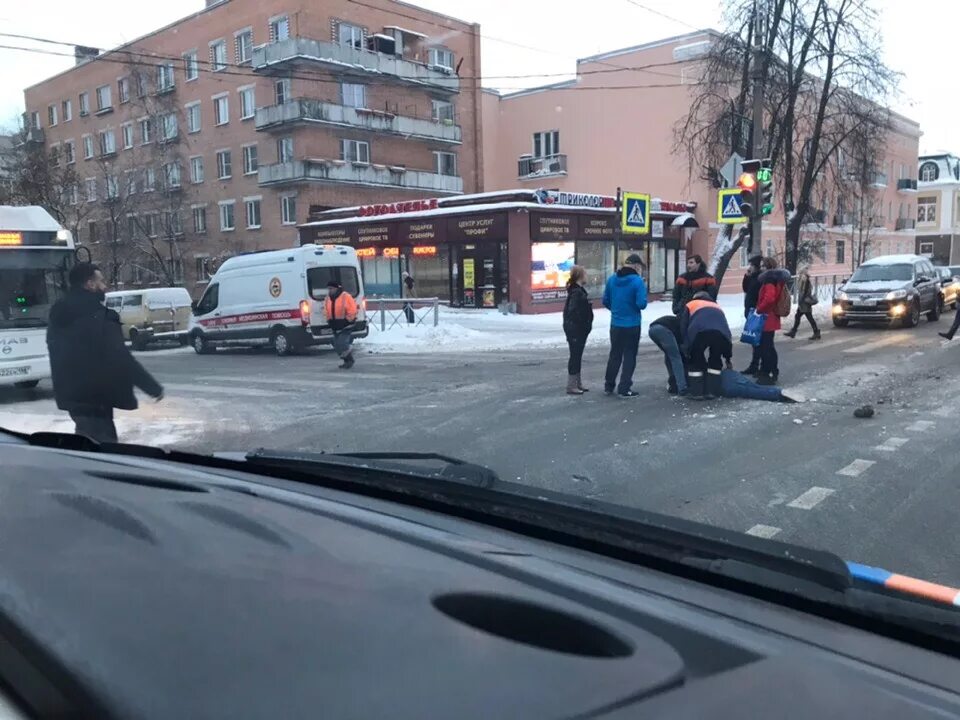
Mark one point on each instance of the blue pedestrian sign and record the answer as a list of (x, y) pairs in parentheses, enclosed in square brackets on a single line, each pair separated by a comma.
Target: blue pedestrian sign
[(636, 213), (728, 207)]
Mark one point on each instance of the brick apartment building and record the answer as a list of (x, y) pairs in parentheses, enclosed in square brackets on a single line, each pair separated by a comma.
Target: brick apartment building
[(218, 133)]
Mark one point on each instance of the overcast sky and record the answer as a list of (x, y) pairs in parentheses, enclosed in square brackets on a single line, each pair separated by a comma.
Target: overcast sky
[(520, 37)]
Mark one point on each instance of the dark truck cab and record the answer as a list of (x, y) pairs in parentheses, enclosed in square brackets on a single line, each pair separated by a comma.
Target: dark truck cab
[(890, 289)]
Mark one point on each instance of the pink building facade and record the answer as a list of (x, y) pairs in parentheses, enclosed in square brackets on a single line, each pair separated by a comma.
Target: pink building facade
[(613, 126)]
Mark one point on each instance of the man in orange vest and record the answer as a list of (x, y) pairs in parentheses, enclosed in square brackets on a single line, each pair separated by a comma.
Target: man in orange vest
[(705, 331), (341, 311)]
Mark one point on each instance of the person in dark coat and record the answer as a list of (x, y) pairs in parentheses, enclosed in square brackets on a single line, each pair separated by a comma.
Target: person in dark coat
[(805, 303), (665, 333), (751, 291), (773, 281), (408, 291), (707, 341), (93, 371), (577, 324), (695, 279)]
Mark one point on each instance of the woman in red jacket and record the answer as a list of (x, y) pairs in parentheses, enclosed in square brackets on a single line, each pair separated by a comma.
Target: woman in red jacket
[(772, 281)]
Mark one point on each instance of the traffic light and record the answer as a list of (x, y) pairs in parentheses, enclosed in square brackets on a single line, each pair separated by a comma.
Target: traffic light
[(748, 193), (765, 178)]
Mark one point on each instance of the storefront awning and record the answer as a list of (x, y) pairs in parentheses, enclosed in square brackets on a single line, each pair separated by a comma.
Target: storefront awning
[(686, 220)]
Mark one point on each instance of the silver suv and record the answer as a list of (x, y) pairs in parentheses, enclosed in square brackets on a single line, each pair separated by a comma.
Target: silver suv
[(890, 289)]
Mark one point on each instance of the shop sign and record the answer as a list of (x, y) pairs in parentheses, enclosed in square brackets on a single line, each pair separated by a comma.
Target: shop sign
[(656, 228), (597, 227), (473, 228), (658, 205), (366, 252), (556, 197), (468, 274), (417, 231), (376, 233), (391, 252), (548, 296), (400, 207), (344, 234), (552, 226), (425, 250)]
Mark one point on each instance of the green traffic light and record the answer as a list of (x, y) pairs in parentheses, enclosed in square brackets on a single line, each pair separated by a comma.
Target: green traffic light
[(766, 209), (764, 175)]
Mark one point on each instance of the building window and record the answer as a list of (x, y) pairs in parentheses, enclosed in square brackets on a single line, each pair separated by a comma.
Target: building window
[(92, 232), (191, 68), (279, 29), (123, 90), (168, 126), (281, 91), (218, 55), (929, 172), (165, 77), (243, 42), (84, 101), (149, 179), (441, 57), (196, 169), (69, 152), (193, 117), (288, 210), (446, 163), (91, 188), (546, 144), (113, 187), (150, 224), (224, 165), (104, 101), (443, 111), (131, 178), (51, 115), (247, 103), (199, 221), (227, 220), (285, 149), (353, 95), (172, 174), (108, 143), (67, 110), (355, 151), (253, 213), (146, 131), (139, 80), (350, 36), (841, 251), (73, 195), (173, 222), (87, 141), (221, 110), (250, 163), (926, 209), (126, 132), (35, 120), (200, 263)]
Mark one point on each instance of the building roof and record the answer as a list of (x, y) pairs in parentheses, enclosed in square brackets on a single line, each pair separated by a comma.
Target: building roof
[(648, 45)]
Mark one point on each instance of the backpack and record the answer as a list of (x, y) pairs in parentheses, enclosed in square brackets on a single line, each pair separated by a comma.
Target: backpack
[(782, 307)]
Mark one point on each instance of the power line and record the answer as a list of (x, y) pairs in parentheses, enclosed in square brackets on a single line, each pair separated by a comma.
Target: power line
[(662, 14)]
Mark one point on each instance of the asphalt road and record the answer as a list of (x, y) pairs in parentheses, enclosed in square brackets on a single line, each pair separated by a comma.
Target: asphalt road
[(880, 491)]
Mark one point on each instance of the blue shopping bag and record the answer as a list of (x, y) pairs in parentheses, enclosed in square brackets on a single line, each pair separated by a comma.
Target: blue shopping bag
[(753, 328)]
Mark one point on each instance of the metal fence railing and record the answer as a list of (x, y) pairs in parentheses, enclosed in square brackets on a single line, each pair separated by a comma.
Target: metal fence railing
[(390, 312), (825, 287)]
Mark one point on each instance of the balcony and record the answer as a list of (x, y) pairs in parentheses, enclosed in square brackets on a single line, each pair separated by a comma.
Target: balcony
[(815, 216), (340, 171), (843, 219), (877, 179), (34, 135), (530, 168), (305, 110), (907, 223), (279, 56), (907, 185)]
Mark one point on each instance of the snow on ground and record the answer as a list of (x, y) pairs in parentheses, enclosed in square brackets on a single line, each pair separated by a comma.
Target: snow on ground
[(470, 330)]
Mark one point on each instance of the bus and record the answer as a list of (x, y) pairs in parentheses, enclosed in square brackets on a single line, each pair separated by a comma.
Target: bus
[(36, 253)]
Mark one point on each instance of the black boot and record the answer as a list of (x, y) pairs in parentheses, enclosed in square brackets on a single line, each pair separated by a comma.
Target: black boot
[(947, 335), (696, 386), (791, 334), (816, 334), (672, 386), (768, 378), (712, 386), (347, 362), (751, 370)]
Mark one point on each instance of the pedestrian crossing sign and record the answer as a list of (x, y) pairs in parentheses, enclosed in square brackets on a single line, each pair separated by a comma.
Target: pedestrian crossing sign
[(728, 207), (635, 216)]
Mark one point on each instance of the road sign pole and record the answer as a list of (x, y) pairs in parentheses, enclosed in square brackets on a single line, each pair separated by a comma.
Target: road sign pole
[(759, 13), (617, 230)]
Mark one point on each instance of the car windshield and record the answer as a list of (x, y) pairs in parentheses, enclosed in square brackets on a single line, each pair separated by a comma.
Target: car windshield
[(873, 273), (612, 253)]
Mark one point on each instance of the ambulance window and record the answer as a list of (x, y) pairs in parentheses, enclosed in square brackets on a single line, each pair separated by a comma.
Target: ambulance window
[(210, 299), (317, 279)]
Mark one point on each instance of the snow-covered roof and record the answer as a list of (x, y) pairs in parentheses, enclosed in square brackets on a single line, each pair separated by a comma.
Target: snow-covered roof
[(404, 30), (894, 260), (27, 218)]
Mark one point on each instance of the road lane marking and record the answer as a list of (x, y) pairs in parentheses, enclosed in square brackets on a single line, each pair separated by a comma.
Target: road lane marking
[(877, 344), (764, 531), (856, 468), (811, 498), (944, 412), (892, 444), (921, 426), (818, 344), (221, 390)]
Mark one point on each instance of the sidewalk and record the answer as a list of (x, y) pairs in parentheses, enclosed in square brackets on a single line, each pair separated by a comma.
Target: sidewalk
[(478, 330)]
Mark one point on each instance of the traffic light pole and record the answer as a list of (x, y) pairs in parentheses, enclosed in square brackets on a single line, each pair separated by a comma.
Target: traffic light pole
[(756, 135)]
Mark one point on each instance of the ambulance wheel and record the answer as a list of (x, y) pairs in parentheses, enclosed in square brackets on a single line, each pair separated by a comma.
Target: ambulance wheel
[(201, 345), (281, 343)]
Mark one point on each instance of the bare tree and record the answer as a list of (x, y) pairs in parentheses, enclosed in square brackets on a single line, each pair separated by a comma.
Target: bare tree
[(825, 85)]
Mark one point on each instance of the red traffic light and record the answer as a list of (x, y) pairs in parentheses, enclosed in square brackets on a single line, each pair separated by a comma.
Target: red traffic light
[(747, 181)]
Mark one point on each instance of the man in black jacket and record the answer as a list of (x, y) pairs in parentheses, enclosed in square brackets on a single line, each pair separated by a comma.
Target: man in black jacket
[(93, 371), (751, 291), (695, 279)]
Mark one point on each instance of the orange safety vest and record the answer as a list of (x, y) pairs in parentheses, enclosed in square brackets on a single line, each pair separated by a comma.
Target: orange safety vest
[(343, 308), (695, 305)]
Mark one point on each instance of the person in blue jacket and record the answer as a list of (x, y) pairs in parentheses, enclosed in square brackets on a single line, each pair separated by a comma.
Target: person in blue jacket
[(625, 296)]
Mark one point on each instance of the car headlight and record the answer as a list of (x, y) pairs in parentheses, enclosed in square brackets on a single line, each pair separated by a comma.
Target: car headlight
[(896, 295), (842, 296)]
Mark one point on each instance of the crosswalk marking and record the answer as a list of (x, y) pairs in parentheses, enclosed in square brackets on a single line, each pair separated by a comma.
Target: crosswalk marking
[(856, 468), (811, 498), (825, 344), (892, 444), (877, 344), (202, 388), (921, 426), (764, 531)]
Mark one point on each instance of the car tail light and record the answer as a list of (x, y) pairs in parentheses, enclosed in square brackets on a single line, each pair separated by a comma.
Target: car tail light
[(305, 312)]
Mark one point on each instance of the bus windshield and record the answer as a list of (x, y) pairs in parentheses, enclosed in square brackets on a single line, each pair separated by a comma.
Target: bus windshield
[(26, 296)]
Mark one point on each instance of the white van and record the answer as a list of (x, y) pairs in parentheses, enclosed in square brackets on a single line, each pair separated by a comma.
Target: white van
[(152, 314), (275, 298)]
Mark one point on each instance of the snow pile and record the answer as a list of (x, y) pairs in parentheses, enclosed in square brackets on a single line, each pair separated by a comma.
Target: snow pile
[(478, 330)]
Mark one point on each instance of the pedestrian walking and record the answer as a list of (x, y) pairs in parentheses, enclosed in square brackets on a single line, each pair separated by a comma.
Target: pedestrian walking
[(577, 324), (407, 288), (706, 339), (665, 333), (695, 279), (625, 296), (92, 369), (341, 312), (774, 302), (751, 291), (954, 326), (805, 302)]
